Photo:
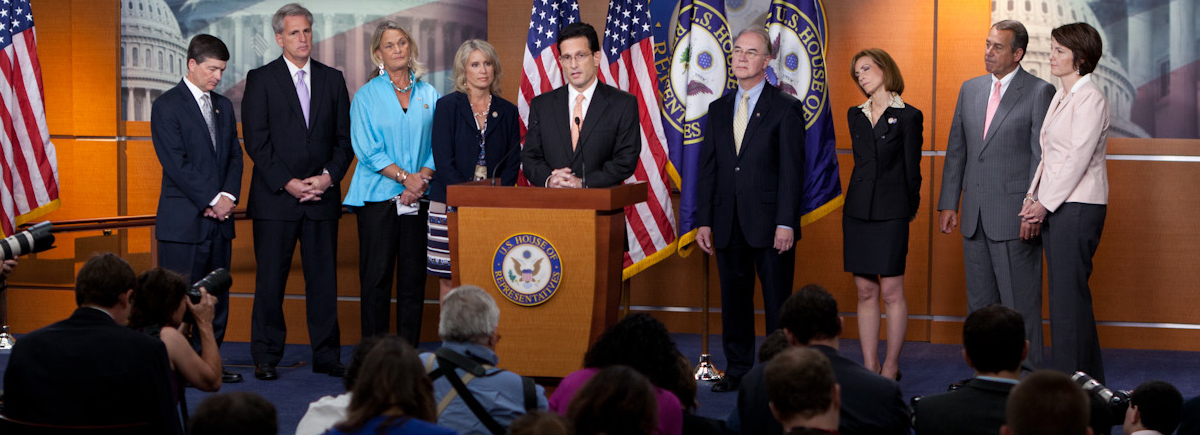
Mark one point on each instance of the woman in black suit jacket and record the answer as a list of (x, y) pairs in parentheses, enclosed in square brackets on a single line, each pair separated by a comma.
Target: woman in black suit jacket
[(884, 192), (475, 135)]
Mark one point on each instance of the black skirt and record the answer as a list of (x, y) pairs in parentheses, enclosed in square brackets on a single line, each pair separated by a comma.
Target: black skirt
[(874, 247)]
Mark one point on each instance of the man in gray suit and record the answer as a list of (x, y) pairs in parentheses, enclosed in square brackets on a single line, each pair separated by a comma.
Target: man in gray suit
[(991, 155)]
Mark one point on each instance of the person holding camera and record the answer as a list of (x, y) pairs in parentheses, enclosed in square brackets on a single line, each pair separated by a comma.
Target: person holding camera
[(159, 307), (194, 131)]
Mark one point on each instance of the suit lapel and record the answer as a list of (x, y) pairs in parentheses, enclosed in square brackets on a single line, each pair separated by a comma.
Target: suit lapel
[(1010, 99), (289, 87), (1061, 99), (761, 109), (194, 113), (464, 110), (595, 113), (315, 93)]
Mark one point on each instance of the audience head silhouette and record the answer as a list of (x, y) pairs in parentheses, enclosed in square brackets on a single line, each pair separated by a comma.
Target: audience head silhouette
[(617, 400), (158, 299), (236, 413), (802, 389), (810, 313), (106, 281), (1154, 405), (391, 384), (994, 339), (469, 315), (1047, 403)]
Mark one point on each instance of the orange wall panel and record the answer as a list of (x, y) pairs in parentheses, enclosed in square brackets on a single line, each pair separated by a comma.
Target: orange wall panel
[(962, 27)]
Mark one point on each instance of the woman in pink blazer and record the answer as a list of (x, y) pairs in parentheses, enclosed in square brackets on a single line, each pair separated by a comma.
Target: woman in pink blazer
[(1068, 196)]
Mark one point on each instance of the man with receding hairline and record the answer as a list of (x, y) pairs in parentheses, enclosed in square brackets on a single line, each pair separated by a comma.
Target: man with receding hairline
[(804, 394), (751, 179), (991, 154)]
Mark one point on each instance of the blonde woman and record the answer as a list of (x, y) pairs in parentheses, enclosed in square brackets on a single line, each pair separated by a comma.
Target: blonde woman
[(475, 136)]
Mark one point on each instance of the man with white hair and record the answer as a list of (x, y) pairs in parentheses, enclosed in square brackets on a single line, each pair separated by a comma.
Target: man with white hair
[(475, 397)]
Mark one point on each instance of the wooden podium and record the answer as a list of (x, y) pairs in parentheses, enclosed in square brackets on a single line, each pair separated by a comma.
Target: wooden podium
[(585, 231)]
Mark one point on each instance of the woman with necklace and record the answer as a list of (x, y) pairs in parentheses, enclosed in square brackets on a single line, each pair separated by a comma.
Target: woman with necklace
[(881, 200), (1069, 195), (475, 137), (391, 120)]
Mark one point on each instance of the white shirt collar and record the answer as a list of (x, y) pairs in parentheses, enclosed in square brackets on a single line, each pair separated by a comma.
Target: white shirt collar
[(587, 93), (1008, 78), (896, 102), (1078, 83), (196, 92), (587, 96), (292, 68)]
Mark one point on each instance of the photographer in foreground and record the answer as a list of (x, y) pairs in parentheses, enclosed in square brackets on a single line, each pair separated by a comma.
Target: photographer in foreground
[(159, 305)]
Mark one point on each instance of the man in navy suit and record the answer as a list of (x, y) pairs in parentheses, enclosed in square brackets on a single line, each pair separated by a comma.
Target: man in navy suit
[(751, 178), (195, 137), (296, 123), (598, 141)]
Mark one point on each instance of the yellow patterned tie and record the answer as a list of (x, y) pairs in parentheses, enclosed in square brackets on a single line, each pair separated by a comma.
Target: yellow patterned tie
[(739, 122), (576, 115)]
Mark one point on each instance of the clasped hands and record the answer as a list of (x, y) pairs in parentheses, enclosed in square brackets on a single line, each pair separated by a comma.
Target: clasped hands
[(563, 178), (309, 189), (415, 185), (222, 210), (1032, 215)]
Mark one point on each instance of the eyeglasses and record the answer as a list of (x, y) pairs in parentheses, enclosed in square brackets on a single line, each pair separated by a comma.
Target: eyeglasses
[(750, 54), (577, 57)]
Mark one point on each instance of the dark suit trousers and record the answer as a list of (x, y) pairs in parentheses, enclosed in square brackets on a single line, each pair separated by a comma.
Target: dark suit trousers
[(274, 244), (1071, 235), (737, 264), (194, 261), (1007, 272), (389, 244)]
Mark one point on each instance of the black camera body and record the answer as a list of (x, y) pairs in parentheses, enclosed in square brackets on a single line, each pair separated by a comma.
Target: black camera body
[(31, 241), (216, 282)]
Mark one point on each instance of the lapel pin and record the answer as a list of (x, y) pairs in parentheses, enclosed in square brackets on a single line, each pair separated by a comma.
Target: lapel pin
[(426, 106), (217, 110), (758, 115), (891, 120), (494, 114)]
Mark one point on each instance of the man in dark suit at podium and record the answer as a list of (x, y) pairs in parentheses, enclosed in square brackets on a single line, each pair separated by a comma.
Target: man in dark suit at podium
[(751, 179), (195, 137), (296, 122), (91, 370), (584, 134)]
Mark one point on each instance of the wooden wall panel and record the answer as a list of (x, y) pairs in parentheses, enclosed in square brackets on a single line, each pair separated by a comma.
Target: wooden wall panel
[(854, 25), (95, 47), (54, 41), (962, 28)]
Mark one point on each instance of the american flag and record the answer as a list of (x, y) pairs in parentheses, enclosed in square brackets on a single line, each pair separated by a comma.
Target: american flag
[(540, 70), (29, 162), (629, 65)]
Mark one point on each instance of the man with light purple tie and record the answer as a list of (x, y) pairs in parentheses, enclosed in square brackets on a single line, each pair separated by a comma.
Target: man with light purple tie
[(992, 152), (296, 125)]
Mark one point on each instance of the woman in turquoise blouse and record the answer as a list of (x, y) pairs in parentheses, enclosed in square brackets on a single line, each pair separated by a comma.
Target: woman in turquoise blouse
[(391, 121)]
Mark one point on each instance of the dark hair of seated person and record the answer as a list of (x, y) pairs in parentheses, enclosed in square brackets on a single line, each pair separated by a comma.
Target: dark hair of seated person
[(1159, 405), (156, 298), (237, 413), (641, 342), (391, 383), (774, 343), (994, 339), (103, 279), (617, 400), (1047, 402), (356, 360), (541, 423)]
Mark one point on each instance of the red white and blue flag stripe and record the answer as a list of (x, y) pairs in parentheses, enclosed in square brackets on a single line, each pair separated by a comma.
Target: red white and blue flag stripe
[(29, 162), (628, 65), (540, 71)]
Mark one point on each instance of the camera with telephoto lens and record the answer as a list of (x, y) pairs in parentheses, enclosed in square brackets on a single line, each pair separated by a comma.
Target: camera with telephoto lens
[(216, 282), (36, 239), (1115, 402)]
